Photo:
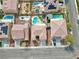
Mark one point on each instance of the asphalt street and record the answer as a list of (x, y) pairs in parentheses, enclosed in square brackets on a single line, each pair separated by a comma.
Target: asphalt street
[(44, 53)]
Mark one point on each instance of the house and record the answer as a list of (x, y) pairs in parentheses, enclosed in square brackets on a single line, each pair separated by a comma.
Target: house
[(58, 28), (10, 6), (4, 32), (17, 21), (20, 32), (38, 33), (58, 31)]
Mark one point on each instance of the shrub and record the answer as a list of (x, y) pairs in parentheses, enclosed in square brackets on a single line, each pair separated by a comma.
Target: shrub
[(70, 39)]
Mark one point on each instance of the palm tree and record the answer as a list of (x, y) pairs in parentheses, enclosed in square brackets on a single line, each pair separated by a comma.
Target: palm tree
[(1, 1), (48, 30), (1, 13), (78, 4)]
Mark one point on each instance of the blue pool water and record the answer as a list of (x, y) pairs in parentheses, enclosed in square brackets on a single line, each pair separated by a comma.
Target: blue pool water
[(37, 3), (57, 16), (24, 17), (8, 17), (35, 20)]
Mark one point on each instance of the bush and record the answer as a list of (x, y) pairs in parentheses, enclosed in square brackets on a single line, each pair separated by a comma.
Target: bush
[(1, 14), (1, 17), (78, 5), (70, 39), (68, 22), (69, 26)]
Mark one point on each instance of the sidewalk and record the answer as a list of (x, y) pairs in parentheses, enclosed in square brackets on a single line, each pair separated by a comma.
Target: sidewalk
[(63, 46)]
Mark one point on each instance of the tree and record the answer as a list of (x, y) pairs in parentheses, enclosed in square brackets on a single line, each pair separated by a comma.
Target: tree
[(1, 13), (77, 4), (70, 39)]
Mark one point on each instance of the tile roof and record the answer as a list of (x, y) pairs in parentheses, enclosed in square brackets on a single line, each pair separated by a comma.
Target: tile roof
[(58, 28), (38, 30), (19, 31), (10, 6)]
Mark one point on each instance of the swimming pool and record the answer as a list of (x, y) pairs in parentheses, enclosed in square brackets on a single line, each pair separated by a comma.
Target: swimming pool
[(8, 18), (37, 3), (57, 16), (26, 18), (35, 20)]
